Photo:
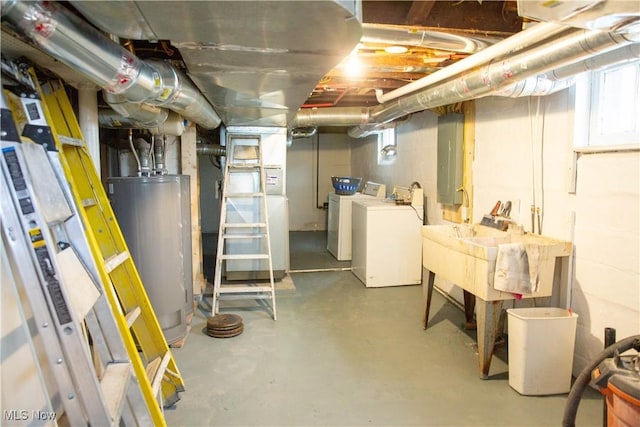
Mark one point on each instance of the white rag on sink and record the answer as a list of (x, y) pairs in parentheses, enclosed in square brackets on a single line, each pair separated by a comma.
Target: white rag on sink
[(517, 268)]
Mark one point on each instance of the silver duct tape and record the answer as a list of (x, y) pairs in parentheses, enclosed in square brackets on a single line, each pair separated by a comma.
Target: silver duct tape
[(40, 23), (125, 75)]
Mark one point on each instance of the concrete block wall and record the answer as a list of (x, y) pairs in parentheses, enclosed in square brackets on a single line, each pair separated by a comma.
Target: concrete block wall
[(519, 142)]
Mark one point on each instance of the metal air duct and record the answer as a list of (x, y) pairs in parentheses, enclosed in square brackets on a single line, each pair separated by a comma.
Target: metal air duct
[(211, 150), (77, 44), (562, 78), (337, 116), (575, 46), (401, 35), (517, 42), (126, 114)]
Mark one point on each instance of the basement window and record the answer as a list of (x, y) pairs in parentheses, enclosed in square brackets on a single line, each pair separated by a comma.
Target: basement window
[(387, 146), (607, 109)]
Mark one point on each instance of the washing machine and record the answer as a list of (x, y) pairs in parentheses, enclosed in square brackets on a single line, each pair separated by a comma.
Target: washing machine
[(386, 243), (339, 218)]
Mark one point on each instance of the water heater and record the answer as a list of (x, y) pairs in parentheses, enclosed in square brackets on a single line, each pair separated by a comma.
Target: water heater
[(154, 215)]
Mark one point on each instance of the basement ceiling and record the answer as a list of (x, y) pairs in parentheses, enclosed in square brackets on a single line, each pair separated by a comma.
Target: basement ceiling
[(383, 71), (277, 62), (258, 62)]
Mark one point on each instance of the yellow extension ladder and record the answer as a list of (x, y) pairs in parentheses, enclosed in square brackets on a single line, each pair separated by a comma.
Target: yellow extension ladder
[(243, 235), (43, 240), (152, 361)]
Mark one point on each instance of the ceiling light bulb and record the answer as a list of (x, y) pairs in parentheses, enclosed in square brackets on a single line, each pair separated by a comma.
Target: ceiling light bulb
[(353, 67), (395, 49)]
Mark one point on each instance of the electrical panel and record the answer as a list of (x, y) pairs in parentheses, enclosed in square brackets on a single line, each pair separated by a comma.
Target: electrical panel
[(450, 152)]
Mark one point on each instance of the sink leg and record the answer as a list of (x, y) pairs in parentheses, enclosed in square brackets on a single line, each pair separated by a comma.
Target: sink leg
[(427, 302), (488, 315), (469, 310)]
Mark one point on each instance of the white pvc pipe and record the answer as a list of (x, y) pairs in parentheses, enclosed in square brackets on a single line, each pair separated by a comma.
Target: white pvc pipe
[(516, 42), (88, 120)]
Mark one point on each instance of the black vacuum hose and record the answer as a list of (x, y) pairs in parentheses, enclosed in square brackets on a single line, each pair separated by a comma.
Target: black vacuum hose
[(573, 401)]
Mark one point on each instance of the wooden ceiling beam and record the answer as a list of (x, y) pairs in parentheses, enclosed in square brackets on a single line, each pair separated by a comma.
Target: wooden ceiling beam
[(419, 12)]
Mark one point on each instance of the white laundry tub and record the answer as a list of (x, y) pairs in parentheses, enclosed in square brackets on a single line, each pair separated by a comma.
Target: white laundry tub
[(466, 255)]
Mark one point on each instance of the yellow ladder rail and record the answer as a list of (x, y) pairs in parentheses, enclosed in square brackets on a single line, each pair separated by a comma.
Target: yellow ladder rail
[(126, 293)]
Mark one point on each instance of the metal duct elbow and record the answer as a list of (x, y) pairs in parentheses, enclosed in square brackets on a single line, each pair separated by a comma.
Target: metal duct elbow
[(180, 95), (128, 115), (174, 125), (125, 114), (72, 41)]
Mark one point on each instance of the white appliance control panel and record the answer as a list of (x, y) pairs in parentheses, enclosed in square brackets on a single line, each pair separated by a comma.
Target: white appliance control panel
[(374, 189)]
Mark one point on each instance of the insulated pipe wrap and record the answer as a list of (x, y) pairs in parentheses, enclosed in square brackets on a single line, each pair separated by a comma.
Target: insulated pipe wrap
[(77, 44), (338, 116), (211, 149), (577, 45), (80, 46), (146, 115)]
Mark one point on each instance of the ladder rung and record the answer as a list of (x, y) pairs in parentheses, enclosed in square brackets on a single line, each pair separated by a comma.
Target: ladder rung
[(244, 195), (67, 140), (230, 297), (244, 236), (244, 224), (237, 167), (89, 202), (155, 371), (132, 315), (244, 256), (114, 261), (237, 289), (114, 385)]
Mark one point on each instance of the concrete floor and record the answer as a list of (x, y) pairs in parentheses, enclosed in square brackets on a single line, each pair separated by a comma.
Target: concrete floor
[(344, 355)]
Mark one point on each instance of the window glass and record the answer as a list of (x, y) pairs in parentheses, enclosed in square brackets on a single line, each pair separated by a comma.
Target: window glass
[(614, 118), (387, 147)]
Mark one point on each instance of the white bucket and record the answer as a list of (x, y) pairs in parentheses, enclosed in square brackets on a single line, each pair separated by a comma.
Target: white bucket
[(541, 343)]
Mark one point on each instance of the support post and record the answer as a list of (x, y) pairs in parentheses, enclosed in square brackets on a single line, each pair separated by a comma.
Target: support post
[(189, 166)]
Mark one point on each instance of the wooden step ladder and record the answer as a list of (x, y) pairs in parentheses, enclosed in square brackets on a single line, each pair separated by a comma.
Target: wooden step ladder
[(43, 241), (243, 236), (152, 360)]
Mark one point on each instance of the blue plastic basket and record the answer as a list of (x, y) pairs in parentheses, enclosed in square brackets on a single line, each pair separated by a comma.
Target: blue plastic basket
[(345, 185)]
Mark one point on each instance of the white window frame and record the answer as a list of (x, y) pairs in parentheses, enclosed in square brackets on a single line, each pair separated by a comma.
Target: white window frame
[(387, 146), (591, 89)]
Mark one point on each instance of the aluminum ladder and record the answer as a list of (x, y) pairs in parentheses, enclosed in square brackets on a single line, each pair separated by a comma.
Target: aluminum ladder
[(243, 235), (56, 127), (44, 243)]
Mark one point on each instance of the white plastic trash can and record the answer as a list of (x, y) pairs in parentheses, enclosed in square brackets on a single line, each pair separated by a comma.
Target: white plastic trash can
[(541, 342)]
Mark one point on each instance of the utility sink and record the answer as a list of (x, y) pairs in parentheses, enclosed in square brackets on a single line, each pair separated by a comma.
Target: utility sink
[(466, 255)]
